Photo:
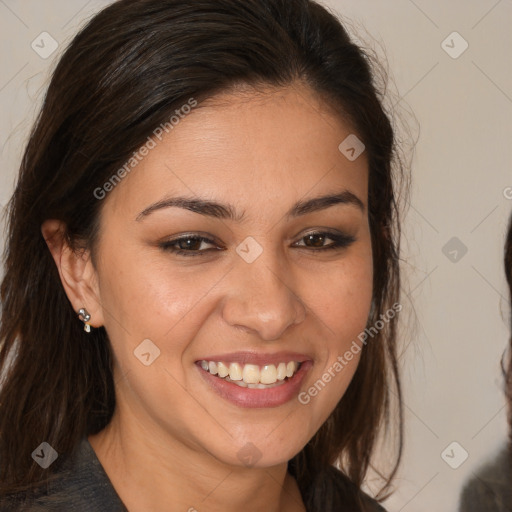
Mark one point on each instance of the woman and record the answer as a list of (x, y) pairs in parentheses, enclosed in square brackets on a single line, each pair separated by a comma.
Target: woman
[(491, 488), (201, 287)]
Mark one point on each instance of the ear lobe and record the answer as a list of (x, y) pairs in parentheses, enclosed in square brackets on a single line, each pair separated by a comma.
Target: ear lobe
[(76, 271)]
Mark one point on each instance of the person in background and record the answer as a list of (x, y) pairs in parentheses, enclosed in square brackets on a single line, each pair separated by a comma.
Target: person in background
[(490, 490)]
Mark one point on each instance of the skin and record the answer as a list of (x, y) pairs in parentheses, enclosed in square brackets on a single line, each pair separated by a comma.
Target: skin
[(172, 439)]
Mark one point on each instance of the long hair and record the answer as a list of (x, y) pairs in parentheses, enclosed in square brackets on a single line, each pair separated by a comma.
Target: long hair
[(508, 369), (122, 76)]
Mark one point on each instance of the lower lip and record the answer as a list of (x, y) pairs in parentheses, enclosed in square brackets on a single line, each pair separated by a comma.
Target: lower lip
[(247, 397)]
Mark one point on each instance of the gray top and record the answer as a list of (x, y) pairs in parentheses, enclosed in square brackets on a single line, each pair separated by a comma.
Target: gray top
[(83, 486), (490, 490)]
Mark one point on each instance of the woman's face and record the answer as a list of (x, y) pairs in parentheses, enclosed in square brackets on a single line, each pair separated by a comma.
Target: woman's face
[(258, 294)]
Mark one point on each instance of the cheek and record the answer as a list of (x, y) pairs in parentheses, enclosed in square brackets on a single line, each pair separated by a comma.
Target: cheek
[(341, 301), (341, 298), (144, 296), (143, 290)]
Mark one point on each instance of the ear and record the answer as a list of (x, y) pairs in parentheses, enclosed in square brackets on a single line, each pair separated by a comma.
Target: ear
[(77, 273)]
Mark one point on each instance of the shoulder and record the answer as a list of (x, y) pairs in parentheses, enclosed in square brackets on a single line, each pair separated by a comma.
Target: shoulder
[(490, 489), (81, 485), (332, 490), (370, 505)]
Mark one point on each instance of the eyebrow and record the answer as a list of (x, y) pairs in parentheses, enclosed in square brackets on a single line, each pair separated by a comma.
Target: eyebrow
[(228, 211)]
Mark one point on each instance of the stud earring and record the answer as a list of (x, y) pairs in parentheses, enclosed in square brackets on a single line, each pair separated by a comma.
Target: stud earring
[(84, 315)]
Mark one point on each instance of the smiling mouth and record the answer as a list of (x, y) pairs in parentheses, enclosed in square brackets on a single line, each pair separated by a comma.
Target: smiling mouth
[(251, 375)]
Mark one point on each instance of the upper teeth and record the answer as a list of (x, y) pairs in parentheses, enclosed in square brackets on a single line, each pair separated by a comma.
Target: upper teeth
[(251, 373)]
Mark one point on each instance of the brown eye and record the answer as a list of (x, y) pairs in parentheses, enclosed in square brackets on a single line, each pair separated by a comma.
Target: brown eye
[(316, 241), (190, 245)]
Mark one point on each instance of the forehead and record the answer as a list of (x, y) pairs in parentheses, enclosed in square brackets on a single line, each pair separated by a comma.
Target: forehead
[(267, 146)]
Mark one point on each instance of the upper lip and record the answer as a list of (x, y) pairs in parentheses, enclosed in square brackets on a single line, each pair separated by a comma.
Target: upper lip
[(256, 358)]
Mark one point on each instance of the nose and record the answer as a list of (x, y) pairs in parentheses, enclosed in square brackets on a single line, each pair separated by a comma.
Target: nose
[(262, 300)]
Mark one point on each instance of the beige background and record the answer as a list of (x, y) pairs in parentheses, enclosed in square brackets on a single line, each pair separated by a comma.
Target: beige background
[(461, 174)]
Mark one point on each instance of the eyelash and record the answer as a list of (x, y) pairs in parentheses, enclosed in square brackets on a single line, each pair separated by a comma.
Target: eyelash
[(339, 242)]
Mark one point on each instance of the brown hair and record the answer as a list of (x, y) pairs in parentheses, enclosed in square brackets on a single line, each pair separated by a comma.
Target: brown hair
[(123, 75), (508, 369)]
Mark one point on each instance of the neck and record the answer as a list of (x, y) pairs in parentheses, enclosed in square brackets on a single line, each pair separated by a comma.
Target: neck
[(149, 472)]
